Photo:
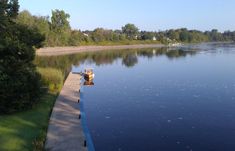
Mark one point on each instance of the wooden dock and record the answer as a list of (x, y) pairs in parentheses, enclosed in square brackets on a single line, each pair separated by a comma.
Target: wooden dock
[(65, 131)]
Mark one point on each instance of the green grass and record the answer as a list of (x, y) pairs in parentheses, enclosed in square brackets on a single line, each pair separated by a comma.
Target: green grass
[(52, 78), (26, 131)]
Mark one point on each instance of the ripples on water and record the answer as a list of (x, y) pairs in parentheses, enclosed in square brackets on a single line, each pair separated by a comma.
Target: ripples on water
[(160, 100)]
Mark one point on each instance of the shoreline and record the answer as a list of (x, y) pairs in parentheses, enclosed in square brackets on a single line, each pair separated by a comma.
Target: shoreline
[(56, 51), (66, 50)]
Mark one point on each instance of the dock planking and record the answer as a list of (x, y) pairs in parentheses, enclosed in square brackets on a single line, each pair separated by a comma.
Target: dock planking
[(65, 131)]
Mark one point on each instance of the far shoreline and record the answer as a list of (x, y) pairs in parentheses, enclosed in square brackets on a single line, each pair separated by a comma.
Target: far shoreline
[(56, 51), (66, 50)]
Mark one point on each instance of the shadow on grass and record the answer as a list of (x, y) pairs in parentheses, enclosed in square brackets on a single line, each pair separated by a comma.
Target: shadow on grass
[(26, 130)]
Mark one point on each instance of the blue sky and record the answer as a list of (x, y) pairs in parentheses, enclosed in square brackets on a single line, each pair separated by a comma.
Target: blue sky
[(151, 15)]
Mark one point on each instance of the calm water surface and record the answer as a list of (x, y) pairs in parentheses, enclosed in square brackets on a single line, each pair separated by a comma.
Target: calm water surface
[(162, 100)]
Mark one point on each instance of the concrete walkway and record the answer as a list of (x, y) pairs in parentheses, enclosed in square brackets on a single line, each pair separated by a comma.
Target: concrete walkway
[(65, 131)]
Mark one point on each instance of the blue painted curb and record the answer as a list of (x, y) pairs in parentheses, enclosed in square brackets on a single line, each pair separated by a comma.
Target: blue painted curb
[(89, 141)]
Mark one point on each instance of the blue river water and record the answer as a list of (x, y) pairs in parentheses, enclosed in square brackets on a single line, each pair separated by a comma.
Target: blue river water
[(159, 102)]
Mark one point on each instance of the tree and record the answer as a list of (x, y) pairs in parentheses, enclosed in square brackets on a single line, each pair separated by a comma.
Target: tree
[(173, 34), (59, 21), (131, 31), (13, 8), (184, 35), (147, 35), (229, 35), (19, 81), (215, 35), (100, 34), (25, 18), (60, 29), (76, 38), (40, 23)]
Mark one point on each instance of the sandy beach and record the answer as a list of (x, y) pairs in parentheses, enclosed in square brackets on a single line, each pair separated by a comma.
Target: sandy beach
[(53, 51)]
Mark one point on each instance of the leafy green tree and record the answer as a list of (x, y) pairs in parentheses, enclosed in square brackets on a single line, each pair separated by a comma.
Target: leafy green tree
[(145, 35), (59, 21), (173, 34), (215, 35), (184, 35), (131, 31), (98, 35), (60, 29), (229, 36), (25, 18), (19, 81), (40, 23), (76, 38)]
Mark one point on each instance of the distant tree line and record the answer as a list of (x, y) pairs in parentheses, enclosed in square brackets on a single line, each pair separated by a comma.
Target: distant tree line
[(192, 36), (58, 32)]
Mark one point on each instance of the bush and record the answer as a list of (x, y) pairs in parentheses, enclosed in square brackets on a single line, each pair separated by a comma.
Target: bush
[(19, 81), (52, 78)]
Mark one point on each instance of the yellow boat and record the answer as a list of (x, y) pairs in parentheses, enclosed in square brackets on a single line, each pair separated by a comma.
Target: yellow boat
[(88, 74)]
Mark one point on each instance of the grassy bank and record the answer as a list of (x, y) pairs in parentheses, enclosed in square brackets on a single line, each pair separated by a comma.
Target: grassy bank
[(52, 78), (26, 131)]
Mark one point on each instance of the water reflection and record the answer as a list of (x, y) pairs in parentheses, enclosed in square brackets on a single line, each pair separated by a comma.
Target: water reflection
[(129, 57), (130, 60), (171, 102), (88, 83)]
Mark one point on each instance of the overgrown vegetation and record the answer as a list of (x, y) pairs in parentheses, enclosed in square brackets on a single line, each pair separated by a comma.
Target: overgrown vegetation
[(52, 78), (58, 32)]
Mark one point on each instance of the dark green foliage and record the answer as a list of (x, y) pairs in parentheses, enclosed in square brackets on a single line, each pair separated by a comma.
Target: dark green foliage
[(19, 81), (145, 35), (13, 8), (184, 36), (131, 31), (228, 35), (8, 9), (214, 35)]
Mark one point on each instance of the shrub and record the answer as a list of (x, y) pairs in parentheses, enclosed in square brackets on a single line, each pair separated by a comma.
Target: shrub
[(19, 81)]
